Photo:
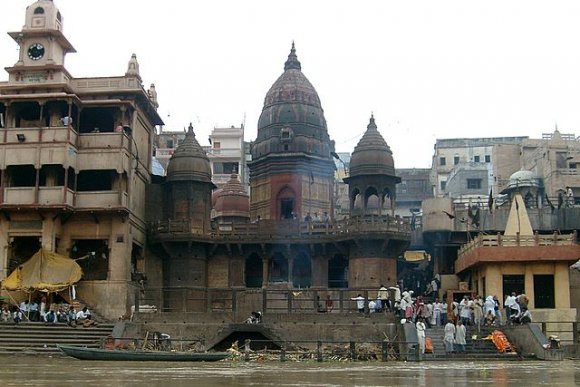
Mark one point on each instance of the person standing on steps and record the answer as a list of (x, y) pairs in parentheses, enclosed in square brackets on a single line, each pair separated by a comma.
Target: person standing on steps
[(460, 334), (420, 325), (449, 337)]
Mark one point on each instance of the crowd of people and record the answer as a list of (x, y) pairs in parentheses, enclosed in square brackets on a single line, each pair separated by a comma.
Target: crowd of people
[(40, 310)]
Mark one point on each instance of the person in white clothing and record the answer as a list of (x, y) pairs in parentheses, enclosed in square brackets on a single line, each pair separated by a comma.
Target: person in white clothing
[(360, 303), (460, 334), (449, 337), (421, 334)]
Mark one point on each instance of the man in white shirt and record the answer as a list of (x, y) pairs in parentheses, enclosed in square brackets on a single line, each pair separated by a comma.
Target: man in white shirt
[(508, 303)]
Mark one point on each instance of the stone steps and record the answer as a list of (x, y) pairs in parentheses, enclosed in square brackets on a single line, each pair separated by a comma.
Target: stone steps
[(474, 349), (32, 338)]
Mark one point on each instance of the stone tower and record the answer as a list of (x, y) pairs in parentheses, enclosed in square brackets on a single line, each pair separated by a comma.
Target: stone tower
[(371, 186), (292, 172)]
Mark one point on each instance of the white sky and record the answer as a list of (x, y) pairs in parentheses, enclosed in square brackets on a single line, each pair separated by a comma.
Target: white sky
[(427, 69)]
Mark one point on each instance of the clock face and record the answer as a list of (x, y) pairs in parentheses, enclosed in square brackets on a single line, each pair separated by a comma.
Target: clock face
[(36, 51)]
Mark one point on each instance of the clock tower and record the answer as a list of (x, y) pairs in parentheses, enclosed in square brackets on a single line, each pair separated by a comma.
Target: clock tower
[(43, 47)]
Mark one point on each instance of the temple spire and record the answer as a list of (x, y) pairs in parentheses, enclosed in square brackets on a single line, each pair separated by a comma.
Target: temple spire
[(372, 124), (292, 62)]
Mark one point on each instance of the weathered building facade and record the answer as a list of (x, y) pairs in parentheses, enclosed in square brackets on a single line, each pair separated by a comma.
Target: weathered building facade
[(75, 160), (286, 236)]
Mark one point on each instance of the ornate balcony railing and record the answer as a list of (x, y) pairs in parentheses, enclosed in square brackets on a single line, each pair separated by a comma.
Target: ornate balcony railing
[(285, 229)]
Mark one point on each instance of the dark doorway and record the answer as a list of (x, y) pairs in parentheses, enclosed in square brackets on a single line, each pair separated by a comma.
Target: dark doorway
[(544, 297), (94, 257), (513, 283), (21, 249), (254, 271), (338, 272), (278, 268), (302, 271), (287, 208)]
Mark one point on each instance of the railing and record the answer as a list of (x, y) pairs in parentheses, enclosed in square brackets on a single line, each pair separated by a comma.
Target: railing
[(517, 240), (567, 332), (207, 300), (101, 199), (330, 350), (288, 229), (44, 134)]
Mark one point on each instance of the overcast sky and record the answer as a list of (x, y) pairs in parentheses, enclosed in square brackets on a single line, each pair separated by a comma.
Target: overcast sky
[(427, 70)]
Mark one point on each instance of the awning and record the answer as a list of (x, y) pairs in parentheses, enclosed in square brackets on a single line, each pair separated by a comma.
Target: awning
[(416, 256)]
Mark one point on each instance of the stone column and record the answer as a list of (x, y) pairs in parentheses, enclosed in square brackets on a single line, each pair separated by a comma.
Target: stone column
[(319, 270), (493, 281), (265, 262), (529, 285), (562, 285)]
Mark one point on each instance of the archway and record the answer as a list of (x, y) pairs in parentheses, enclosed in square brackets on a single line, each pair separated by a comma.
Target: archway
[(338, 272), (253, 271), (286, 199), (278, 268), (302, 271)]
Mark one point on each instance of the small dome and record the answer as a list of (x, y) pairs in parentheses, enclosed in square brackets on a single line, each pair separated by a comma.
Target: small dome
[(189, 162), (522, 179), (372, 155), (231, 200)]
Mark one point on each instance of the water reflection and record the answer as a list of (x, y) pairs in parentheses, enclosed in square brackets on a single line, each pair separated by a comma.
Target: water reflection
[(52, 371)]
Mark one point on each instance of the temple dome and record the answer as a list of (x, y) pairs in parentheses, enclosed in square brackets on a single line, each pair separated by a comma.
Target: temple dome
[(372, 155), (522, 179), (189, 162), (292, 118), (231, 200)]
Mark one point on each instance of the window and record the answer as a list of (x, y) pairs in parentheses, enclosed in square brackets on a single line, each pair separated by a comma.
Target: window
[(217, 145), (544, 291), (170, 143), (513, 284), (39, 11), (443, 185), (441, 160), (476, 159), (487, 158), (225, 168), (473, 183), (455, 160)]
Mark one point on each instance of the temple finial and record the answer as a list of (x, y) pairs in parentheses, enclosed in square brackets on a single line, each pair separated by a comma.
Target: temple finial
[(190, 129), (292, 62), (372, 124)]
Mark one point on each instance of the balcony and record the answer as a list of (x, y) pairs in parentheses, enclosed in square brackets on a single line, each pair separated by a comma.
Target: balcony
[(100, 199), (518, 248), (19, 195), (40, 135), (108, 140), (47, 196)]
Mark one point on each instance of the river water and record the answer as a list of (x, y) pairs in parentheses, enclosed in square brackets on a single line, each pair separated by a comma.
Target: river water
[(60, 371)]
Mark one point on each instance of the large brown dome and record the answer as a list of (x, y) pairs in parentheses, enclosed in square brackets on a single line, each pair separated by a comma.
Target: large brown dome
[(231, 200), (189, 162), (372, 155), (292, 119)]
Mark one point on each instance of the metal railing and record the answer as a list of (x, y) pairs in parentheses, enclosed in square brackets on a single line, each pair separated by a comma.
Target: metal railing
[(207, 300)]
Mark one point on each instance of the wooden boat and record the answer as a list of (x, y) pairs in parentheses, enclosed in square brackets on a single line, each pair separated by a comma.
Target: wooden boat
[(85, 353)]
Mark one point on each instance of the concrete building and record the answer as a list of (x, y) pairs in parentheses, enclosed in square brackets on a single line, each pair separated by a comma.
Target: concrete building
[(451, 156), (228, 154), (75, 162)]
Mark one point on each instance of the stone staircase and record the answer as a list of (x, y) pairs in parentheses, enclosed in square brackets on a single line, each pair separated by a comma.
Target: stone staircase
[(35, 337), (476, 348)]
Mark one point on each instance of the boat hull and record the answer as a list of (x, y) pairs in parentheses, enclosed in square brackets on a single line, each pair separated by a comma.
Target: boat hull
[(85, 353)]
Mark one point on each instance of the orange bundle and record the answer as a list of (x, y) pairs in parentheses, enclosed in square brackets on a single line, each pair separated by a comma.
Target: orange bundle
[(501, 342)]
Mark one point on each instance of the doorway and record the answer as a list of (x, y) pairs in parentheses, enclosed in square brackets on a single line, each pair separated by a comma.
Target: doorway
[(287, 208)]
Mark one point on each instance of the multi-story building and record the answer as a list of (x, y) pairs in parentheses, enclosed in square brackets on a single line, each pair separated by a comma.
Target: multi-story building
[(452, 155), (75, 160), (228, 155), (165, 144)]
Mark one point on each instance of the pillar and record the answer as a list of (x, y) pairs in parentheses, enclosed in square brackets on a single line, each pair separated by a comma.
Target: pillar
[(529, 285), (493, 281), (562, 285), (265, 273)]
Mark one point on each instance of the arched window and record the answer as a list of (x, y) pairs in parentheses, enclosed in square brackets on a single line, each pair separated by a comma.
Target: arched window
[(39, 11), (338, 272)]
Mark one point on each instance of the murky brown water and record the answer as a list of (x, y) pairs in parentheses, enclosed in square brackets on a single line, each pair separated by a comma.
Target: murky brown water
[(59, 371)]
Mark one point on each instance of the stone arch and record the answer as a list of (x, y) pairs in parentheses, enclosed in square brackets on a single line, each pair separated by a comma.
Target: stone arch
[(253, 272), (38, 11), (372, 201), (302, 271), (356, 200), (387, 199), (278, 270), (338, 271), (286, 203)]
